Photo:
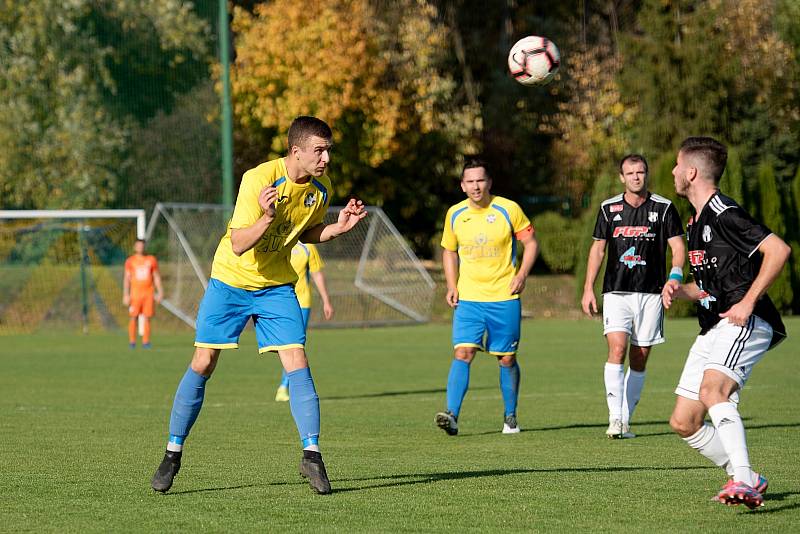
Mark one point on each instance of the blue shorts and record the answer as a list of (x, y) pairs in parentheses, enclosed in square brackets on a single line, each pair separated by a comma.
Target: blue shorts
[(306, 314), (225, 310), (499, 322)]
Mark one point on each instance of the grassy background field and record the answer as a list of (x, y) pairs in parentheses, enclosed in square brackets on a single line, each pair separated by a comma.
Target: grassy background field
[(83, 424)]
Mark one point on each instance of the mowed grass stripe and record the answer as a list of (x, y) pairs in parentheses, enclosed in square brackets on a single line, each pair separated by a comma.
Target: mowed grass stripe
[(83, 423)]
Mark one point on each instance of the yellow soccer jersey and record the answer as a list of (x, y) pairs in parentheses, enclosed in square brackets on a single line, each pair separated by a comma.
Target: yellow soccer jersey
[(486, 242), (305, 260), (299, 207)]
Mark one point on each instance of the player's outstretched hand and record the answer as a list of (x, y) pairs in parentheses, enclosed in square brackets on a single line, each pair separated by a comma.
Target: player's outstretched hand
[(669, 293), (517, 284), (266, 200), (589, 303), (452, 297), (739, 313), (349, 216)]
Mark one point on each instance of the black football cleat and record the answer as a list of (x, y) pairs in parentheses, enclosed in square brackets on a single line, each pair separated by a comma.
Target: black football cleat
[(170, 465), (312, 468)]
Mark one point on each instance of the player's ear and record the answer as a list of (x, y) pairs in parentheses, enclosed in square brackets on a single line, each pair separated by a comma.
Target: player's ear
[(621, 178)]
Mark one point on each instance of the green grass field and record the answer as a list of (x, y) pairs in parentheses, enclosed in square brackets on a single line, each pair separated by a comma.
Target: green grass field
[(83, 424)]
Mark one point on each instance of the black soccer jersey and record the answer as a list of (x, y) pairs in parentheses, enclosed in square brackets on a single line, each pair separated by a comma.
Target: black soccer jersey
[(724, 258), (636, 242)]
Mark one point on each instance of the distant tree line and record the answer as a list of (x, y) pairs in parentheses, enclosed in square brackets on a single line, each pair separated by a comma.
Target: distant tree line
[(115, 104)]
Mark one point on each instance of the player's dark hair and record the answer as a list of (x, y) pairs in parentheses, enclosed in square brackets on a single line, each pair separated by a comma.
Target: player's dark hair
[(475, 162), (713, 153), (633, 158), (304, 127), (140, 240)]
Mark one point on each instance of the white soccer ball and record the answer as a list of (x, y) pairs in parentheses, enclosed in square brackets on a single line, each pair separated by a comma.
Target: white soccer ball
[(534, 60)]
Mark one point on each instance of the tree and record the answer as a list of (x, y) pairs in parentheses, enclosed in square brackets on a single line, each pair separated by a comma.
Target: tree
[(772, 216), (377, 77), (63, 144)]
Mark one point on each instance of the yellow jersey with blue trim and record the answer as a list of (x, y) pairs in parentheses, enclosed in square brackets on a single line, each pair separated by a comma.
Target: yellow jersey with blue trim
[(486, 243), (305, 260), (298, 207)]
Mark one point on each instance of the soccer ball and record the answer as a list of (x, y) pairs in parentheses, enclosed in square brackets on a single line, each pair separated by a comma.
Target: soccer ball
[(534, 60)]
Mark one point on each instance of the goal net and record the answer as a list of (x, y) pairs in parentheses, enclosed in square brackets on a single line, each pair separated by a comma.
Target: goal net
[(372, 276), (63, 269)]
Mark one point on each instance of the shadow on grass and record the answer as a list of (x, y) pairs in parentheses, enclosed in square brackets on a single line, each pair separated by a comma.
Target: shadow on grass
[(394, 393), (634, 428), (427, 478), (389, 481), (769, 498), (572, 426)]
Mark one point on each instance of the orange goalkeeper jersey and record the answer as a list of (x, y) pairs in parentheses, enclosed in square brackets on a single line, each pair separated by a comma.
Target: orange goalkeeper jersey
[(141, 270)]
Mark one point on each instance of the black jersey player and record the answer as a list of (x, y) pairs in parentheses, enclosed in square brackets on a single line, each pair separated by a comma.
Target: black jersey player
[(636, 227)]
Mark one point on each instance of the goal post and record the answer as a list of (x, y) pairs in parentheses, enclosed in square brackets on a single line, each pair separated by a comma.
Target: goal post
[(373, 276), (63, 269)]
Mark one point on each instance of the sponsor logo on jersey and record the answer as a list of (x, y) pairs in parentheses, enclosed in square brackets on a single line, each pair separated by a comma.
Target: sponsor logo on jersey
[(706, 233), (632, 231), (631, 259), (696, 257), (480, 239), (615, 207), (617, 217), (706, 298), (652, 216), (491, 218), (310, 199)]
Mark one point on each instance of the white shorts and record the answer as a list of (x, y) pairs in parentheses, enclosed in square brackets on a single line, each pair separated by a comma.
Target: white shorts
[(732, 350), (640, 315)]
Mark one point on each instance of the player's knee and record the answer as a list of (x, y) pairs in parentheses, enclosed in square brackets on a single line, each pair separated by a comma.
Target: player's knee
[(638, 359), (616, 354), (465, 354), (204, 361), (507, 361), (683, 426), (711, 395)]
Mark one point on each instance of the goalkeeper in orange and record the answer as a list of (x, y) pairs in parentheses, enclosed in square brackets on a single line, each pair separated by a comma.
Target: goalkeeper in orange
[(140, 281)]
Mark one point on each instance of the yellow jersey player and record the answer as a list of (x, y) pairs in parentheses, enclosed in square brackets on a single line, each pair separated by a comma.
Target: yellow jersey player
[(308, 265), (480, 241), (279, 202)]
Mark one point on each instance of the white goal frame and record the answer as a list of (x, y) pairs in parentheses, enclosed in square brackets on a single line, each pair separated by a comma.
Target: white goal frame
[(137, 214), (382, 292)]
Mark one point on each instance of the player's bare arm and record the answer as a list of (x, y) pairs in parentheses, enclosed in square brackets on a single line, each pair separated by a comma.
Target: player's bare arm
[(775, 253), (531, 250), (319, 281), (596, 254), (689, 291), (159, 288), (349, 216), (126, 289), (450, 264), (678, 247), (243, 239)]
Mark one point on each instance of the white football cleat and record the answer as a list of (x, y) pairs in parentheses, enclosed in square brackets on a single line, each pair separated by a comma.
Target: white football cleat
[(510, 425)]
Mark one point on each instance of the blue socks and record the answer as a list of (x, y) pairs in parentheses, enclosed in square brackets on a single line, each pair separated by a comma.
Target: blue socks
[(457, 385), (509, 387), (304, 403), (284, 379), (186, 408)]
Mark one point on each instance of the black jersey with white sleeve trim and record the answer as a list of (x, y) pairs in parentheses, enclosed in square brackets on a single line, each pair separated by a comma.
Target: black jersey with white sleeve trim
[(723, 241), (636, 241)]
